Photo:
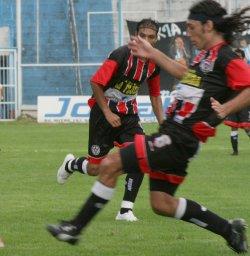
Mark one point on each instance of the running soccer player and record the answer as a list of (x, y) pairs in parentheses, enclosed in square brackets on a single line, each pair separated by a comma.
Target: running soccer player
[(114, 116), (240, 119), (215, 73)]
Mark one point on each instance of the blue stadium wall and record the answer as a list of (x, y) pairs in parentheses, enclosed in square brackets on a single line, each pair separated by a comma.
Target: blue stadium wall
[(8, 18), (55, 43)]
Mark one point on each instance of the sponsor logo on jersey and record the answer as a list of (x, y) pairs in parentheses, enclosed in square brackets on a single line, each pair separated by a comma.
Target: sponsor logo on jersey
[(191, 78), (127, 87)]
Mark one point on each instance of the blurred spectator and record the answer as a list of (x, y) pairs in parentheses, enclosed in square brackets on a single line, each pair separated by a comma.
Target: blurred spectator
[(246, 48), (179, 51)]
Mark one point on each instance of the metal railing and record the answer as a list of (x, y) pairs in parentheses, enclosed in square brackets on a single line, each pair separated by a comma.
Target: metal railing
[(8, 84)]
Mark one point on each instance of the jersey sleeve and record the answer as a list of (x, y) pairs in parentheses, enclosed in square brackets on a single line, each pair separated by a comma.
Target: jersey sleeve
[(154, 86), (105, 72), (109, 67), (238, 74)]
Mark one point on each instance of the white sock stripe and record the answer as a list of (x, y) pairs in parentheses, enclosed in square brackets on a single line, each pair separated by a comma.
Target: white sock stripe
[(181, 208), (69, 164), (84, 166), (234, 133), (102, 191), (127, 204), (199, 222)]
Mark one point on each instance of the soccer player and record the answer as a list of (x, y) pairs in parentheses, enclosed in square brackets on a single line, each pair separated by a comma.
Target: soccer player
[(114, 114), (215, 73), (239, 119)]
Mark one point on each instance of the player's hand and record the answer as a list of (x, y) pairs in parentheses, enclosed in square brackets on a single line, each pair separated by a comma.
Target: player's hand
[(140, 47), (113, 119), (220, 109)]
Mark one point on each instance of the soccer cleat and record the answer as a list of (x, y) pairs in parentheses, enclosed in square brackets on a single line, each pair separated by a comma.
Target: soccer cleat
[(238, 239), (128, 216), (62, 173), (65, 232)]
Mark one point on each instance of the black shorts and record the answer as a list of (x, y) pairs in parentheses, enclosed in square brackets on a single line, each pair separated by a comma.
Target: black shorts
[(239, 119), (102, 135), (163, 156)]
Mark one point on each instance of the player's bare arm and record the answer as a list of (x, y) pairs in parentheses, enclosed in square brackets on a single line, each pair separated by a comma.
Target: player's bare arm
[(112, 118), (157, 108), (240, 101)]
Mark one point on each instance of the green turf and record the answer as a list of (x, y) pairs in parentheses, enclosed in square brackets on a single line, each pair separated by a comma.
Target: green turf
[(30, 197)]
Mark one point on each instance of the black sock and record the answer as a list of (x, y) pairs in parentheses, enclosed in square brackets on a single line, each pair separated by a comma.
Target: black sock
[(100, 195), (192, 212), (124, 210), (234, 142), (132, 185), (76, 165)]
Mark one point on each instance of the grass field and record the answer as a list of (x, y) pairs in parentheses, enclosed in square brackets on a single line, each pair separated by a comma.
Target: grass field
[(30, 197)]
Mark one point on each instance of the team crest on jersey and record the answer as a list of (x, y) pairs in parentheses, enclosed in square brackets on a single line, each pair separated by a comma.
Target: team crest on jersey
[(207, 65), (95, 149)]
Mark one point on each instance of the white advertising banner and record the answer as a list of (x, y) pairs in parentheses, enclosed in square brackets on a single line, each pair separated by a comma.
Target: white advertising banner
[(75, 109)]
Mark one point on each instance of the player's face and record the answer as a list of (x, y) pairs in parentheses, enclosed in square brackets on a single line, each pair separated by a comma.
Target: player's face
[(196, 33), (148, 34)]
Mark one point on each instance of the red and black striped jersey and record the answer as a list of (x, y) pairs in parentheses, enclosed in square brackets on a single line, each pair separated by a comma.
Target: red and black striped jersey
[(121, 76), (215, 73)]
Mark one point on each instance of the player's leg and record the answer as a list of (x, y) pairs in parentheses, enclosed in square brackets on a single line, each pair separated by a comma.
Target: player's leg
[(233, 122), (234, 231), (100, 142), (162, 152), (102, 191), (242, 120), (69, 166), (132, 186), (245, 120), (163, 187), (133, 181), (234, 140)]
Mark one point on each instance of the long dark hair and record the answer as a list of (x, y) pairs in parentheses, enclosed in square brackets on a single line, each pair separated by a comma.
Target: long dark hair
[(228, 25), (147, 23)]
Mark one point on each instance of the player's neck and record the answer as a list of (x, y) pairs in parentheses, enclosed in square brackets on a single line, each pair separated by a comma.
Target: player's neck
[(216, 40)]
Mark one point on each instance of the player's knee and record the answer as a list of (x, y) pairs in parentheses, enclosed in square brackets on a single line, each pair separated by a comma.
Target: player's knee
[(159, 209), (164, 206), (108, 166), (109, 170), (93, 169)]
